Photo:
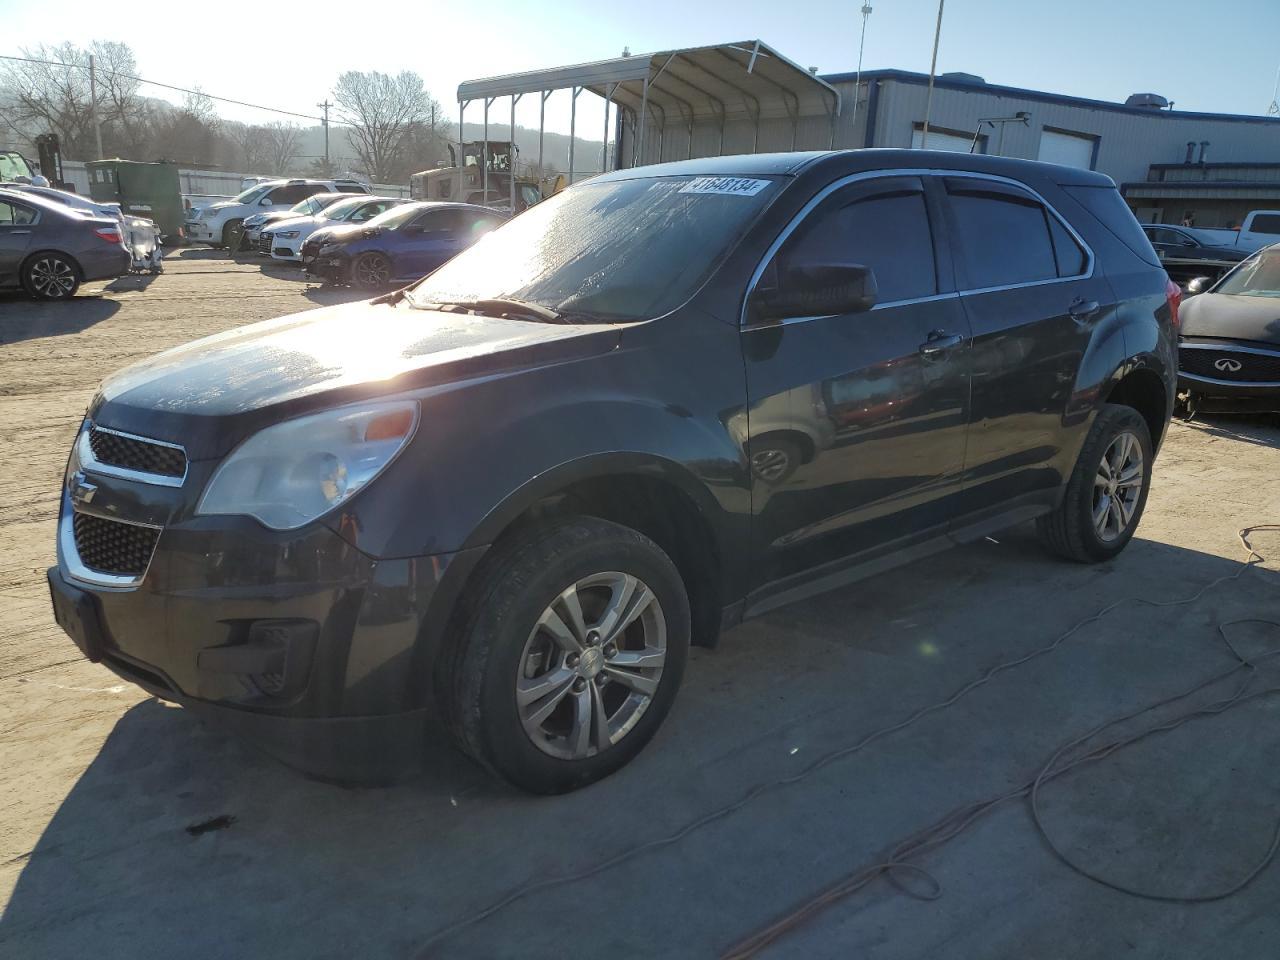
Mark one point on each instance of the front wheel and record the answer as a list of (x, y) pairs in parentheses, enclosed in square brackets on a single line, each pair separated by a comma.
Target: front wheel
[(51, 276), (232, 234), (1107, 490), (575, 647), (371, 271)]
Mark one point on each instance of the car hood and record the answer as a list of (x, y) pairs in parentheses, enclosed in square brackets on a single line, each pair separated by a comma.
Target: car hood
[(1232, 317), (342, 232), (292, 223), (210, 394)]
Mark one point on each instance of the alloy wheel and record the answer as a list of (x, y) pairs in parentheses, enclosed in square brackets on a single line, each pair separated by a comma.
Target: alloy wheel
[(373, 270), (1117, 487), (52, 277), (771, 465), (591, 665)]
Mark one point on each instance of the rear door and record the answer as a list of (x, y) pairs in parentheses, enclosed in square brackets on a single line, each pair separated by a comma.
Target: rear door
[(855, 425), (1033, 301), (17, 226)]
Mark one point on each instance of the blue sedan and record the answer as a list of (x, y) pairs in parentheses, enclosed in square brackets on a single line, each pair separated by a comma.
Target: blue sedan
[(398, 246)]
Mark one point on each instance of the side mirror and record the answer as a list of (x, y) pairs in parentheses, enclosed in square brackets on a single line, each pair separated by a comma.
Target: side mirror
[(1198, 285), (816, 290), (265, 202)]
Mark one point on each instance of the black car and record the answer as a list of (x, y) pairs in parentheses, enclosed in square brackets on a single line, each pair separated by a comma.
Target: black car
[(513, 494), (49, 249), (1229, 352), (1186, 253)]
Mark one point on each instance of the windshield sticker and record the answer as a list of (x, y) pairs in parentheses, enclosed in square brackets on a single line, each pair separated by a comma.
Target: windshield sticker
[(735, 186)]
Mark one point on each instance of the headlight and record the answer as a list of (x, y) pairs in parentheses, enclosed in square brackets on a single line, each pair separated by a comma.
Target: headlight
[(289, 474), (287, 235)]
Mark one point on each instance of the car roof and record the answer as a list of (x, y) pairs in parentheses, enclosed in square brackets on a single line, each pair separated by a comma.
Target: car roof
[(839, 162), (44, 203)]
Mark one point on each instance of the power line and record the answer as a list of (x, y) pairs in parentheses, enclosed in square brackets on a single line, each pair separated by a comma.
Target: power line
[(170, 86)]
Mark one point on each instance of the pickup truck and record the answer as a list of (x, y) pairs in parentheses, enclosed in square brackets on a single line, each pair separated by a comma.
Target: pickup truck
[(1260, 228)]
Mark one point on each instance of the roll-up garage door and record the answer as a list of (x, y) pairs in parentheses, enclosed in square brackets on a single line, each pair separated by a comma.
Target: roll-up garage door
[(1067, 149)]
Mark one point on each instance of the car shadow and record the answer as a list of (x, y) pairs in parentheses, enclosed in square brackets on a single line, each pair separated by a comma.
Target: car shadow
[(22, 318), (179, 838), (1257, 429), (131, 282)]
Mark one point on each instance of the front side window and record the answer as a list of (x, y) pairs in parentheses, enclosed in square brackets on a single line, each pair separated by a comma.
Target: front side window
[(884, 227), (1005, 236), (611, 251)]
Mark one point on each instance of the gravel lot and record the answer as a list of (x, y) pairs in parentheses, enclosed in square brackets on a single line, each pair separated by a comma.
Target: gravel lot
[(99, 783)]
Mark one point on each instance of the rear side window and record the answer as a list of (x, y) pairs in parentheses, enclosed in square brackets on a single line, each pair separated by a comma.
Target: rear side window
[(1002, 234), (1109, 209), (887, 231), (1071, 257), (1265, 223), (15, 215)]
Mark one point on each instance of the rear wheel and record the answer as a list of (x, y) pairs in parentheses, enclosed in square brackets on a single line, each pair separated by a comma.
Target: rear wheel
[(232, 233), (371, 271), (51, 276), (574, 650), (1106, 492)]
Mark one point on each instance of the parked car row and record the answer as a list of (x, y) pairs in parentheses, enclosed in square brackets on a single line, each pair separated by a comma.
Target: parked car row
[(221, 224)]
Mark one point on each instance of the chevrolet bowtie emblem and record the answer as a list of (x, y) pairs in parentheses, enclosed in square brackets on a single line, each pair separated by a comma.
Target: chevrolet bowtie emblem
[(82, 490)]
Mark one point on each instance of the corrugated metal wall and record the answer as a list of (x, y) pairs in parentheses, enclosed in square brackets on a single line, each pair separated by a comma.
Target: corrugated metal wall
[(1128, 142)]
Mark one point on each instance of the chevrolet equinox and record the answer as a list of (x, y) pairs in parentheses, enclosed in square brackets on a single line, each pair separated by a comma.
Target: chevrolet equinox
[(510, 496)]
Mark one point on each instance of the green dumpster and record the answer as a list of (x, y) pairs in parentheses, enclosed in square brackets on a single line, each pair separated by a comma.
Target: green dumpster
[(148, 190)]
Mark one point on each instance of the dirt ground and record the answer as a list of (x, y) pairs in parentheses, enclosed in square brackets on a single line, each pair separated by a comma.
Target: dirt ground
[(100, 786)]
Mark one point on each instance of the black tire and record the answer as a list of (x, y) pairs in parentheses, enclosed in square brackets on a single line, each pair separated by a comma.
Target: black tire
[(49, 275), (232, 234), (1071, 530), (487, 657), (371, 271)]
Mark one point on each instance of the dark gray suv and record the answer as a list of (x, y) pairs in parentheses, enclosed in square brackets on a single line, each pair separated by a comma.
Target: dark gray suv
[(501, 503)]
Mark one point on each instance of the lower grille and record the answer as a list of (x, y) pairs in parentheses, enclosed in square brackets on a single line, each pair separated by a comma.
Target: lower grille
[(264, 242), (1233, 365), (135, 453), (110, 546)]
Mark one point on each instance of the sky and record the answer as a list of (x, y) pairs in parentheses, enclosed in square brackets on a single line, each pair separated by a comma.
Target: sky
[(272, 54)]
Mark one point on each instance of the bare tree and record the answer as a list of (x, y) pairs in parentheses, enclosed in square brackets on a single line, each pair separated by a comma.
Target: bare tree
[(251, 144), (382, 112), (52, 94), (281, 144)]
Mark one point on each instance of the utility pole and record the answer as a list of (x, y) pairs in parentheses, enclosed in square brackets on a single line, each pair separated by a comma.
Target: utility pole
[(93, 104), (325, 107), (933, 69), (857, 83)]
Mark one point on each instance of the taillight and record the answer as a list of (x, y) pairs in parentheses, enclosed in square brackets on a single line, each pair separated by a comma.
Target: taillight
[(109, 234), (1173, 293)]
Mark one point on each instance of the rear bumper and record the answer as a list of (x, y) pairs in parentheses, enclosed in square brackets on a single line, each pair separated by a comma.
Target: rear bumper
[(106, 264)]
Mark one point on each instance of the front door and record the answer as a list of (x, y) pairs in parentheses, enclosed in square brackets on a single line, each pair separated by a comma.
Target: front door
[(1033, 301), (16, 227), (856, 423)]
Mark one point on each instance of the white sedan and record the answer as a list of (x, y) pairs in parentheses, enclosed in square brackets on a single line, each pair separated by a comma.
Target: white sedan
[(284, 238)]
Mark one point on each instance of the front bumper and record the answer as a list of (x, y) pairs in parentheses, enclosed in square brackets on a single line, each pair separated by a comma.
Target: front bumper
[(200, 232), (296, 640), (335, 268), (283, 248)]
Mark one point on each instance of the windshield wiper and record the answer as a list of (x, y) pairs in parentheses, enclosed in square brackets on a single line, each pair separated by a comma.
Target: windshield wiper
[(495, 307)]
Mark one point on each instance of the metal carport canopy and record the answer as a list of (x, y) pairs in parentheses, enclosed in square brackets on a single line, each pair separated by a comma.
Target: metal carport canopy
[(726, 81)]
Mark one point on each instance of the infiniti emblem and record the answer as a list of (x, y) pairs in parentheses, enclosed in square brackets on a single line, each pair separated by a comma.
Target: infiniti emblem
[(82, 491), (1227, 365)]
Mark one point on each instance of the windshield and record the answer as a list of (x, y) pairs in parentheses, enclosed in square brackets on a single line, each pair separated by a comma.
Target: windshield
[(12, 166), (343, 209), (1259, 276), (612, 251), (397, 216), (250, 195)]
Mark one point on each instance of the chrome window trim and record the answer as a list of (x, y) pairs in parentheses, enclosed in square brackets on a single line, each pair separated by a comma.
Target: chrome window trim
[(84, 452), (1230, 348), (913, 172), (69, 557), (1264, 384)]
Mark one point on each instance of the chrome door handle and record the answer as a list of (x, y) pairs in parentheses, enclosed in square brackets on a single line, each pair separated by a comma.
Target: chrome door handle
[(939, 343), (14, 233), (1082, 310)]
